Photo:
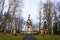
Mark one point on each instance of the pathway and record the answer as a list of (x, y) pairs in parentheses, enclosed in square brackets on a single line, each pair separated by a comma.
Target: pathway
[(29, 37)]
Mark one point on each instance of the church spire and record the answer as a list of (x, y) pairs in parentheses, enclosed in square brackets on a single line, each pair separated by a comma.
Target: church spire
[(29, 17)]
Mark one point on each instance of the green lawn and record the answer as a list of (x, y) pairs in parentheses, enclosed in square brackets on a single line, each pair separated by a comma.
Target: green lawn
[(47, 37), (20, 37), (11, 37)]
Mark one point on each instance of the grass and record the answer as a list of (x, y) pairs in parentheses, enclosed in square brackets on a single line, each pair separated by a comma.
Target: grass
[(11, 37), (47, 37), (20, 37)]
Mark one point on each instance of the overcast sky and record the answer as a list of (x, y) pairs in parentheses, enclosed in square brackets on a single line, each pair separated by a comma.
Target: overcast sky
[(30, 7)]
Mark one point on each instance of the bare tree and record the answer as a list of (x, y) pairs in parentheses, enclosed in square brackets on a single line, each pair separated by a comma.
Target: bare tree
[(2, 2), (4, 22), (56, 22), (15, 7), (40, 12), (47, 9)]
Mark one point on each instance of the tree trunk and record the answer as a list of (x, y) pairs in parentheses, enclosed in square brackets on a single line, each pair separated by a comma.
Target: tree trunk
[(11, 27), (4, 29)]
